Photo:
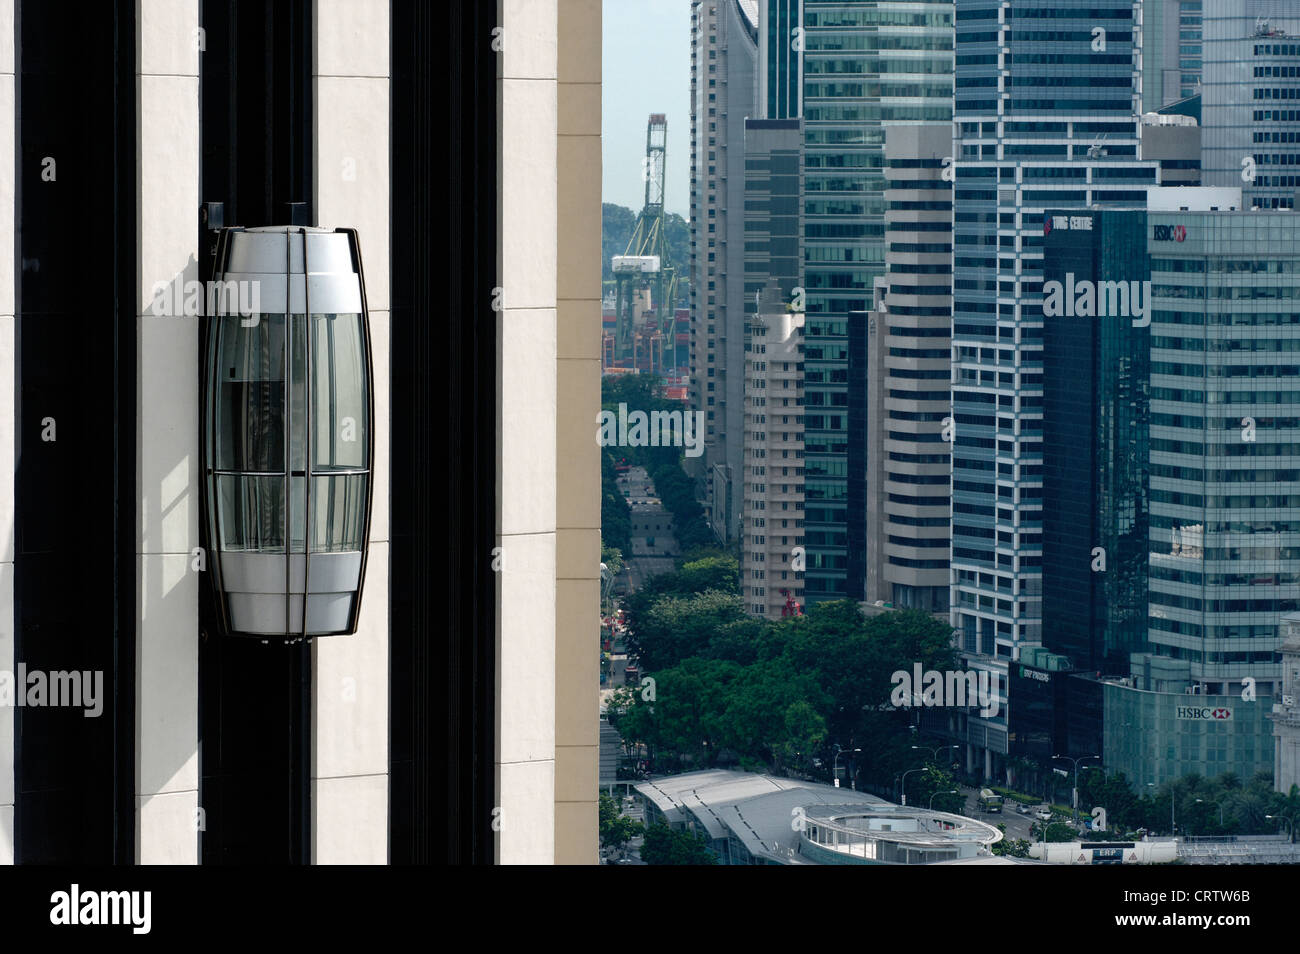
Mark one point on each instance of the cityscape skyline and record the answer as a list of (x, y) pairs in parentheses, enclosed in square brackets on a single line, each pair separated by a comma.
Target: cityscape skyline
[(958, 164), (646, 432)]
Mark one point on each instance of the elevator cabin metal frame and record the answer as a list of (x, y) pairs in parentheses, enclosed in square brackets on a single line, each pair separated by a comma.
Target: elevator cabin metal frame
[(264, 586)]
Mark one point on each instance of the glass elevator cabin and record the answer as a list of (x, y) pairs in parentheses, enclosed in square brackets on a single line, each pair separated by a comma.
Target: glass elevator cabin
[(287, 431)]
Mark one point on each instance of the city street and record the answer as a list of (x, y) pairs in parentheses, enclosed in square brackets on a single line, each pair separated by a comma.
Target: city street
[(653, 543), (1017, 824), (653, 550)]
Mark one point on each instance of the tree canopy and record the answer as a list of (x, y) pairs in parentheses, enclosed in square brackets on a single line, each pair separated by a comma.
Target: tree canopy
[(779, 695), (667, 846)]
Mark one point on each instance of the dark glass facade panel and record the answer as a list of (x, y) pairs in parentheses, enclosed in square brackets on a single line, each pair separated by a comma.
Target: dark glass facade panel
[(1034, 713), (781, 84), (1096, 404), (1083, 716)]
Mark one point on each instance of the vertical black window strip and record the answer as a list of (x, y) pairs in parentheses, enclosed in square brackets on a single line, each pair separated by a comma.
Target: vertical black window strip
[(442, 597), (74, 490), (124, 413), (255, 699)]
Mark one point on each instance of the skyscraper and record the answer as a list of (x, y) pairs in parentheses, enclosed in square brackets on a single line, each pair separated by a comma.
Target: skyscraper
[(724, 57), (908, 457), (1286, 711), (1251, 101), (1224, 495), (1046, 116), (1171, 51), (1096, 407), (1223, 570), (1174, 141), (865, 65)]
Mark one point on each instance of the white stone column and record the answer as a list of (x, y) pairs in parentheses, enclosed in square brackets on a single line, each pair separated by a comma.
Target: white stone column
[(350, 97), (526, 432), (7, 193), (167, 447)]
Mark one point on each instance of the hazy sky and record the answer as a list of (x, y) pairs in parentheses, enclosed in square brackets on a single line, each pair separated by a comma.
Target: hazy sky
[(647, 69)]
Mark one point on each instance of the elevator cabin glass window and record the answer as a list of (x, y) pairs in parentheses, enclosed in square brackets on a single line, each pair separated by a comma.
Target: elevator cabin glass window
[(250, 434)]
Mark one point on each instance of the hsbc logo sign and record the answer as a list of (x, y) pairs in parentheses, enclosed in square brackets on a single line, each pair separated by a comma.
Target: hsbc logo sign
[(1169, 233), (1205, 713)]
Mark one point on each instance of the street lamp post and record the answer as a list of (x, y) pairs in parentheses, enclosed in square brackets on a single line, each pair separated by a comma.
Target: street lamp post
[(1173, 827), (937, 749), (905, 775), (1152, 786), (1075, 793), (836, 766), (951, 791)]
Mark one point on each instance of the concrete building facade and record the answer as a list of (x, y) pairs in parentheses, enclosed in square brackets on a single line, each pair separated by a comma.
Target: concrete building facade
[(909, 403), (1174, 141), (724, 63), (771, 574), (1286, 712)]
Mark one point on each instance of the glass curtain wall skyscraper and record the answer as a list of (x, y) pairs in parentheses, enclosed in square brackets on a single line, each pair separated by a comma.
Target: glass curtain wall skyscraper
[(866, 64), (1225, 492), (1046, 116), (1251, 100), (1171, 51), (1096, 373)]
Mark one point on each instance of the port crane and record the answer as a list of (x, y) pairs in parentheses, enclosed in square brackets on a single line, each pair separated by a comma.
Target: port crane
[(645, 263)]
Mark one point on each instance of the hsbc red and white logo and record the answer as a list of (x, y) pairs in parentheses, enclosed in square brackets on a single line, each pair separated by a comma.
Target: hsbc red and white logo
[(1205, 713), (1168, 233)]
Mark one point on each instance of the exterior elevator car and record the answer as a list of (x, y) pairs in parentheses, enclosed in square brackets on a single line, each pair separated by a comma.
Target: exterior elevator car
[(288, 431)]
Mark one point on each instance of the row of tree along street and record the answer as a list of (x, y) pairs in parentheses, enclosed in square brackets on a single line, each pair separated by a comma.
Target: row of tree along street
[(780, 696), (809, 696), (728, 689)]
